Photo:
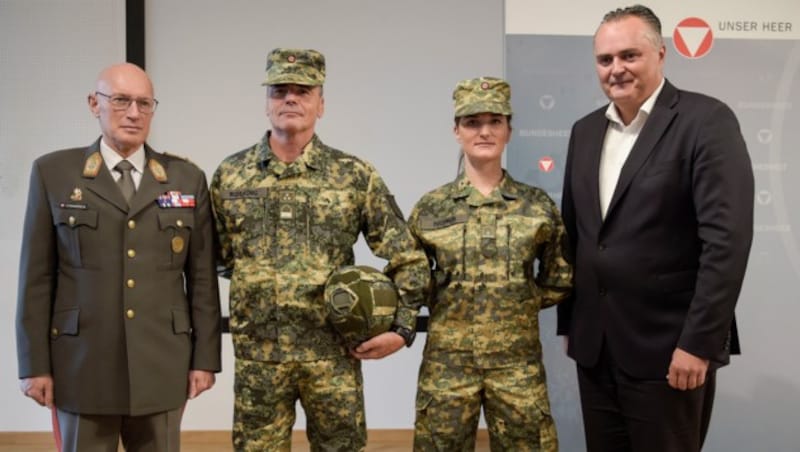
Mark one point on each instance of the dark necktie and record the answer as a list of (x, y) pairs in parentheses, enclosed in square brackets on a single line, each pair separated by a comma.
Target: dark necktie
[(125, 182)]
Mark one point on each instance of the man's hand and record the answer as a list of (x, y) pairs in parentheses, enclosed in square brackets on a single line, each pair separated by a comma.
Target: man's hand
[(199, 381), (379, 346), (39, 389), (686, 371)]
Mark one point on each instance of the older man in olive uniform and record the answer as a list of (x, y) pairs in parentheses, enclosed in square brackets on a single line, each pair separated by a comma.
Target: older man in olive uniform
[(118, 312), (289, 210), (498, 248)]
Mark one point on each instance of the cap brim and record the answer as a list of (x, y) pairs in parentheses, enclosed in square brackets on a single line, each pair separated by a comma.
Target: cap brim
[(483, 107), (291, 79)]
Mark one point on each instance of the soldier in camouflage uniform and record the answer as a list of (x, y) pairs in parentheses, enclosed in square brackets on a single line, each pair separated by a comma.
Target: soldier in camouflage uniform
[(483, 234), (288, 211)]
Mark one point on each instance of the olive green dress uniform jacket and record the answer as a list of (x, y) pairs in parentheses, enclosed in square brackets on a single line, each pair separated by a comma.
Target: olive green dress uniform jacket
[(116, 303)]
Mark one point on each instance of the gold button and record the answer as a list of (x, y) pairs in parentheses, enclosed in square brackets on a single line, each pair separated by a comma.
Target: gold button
[(71, 220), (131, 283), (179, 223), (54, 332), (131, 253), (131, 224), (130, 313)]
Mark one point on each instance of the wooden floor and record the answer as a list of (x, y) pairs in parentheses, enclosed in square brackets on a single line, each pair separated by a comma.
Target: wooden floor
[(220, 441)]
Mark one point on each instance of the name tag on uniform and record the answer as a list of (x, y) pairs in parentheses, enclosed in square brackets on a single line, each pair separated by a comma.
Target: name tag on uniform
[(244, 193), (427, 222), (175, 199)]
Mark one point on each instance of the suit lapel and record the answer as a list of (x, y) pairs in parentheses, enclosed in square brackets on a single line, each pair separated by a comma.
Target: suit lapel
[(660, 118), (593, 175), (99, 180), (153, 183)]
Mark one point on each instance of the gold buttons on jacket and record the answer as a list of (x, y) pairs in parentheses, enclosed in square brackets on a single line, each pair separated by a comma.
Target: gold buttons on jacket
[(131, 283), (54, 332), (131, 224), (71, 220), (131, 253), (130, 313), (179, 223)]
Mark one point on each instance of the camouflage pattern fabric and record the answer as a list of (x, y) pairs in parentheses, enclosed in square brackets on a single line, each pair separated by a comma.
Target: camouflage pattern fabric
[(486, 300), (486, 293), (297, 66), (515, 402), (482, 95), (264, 412), (284, 228)]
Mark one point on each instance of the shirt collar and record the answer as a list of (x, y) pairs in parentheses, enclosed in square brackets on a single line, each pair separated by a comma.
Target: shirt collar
[(111, 157), (463, 187), (646, 108), (311, 156)]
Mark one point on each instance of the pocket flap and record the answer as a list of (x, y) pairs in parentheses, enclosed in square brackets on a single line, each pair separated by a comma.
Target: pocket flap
[(423, 401), (175, 219), (75, 217), (65, 322), (181, 322)]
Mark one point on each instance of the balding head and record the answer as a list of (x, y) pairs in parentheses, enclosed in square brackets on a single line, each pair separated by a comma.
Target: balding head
[(124, 129)]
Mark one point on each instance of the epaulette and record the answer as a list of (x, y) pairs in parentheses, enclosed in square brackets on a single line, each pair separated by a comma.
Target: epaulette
[(179, 157)]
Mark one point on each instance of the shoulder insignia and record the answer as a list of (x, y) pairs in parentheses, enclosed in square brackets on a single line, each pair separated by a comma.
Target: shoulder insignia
[(158, 170), (179, 157), (92, 166)]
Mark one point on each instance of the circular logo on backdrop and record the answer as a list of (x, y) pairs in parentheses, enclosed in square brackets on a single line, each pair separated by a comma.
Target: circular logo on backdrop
[(547, 102), (692, 37), (546, 164)]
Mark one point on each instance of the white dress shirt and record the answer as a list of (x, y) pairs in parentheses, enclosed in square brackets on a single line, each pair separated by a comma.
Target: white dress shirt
[(618, 143), (111, 158)]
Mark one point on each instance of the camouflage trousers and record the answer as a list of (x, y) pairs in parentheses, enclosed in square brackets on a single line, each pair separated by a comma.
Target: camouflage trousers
[(330, 392), (514, 400)]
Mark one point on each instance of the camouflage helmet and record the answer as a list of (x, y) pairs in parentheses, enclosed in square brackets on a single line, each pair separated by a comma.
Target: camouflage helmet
[(482, 95), (361, 303), (297, 66)]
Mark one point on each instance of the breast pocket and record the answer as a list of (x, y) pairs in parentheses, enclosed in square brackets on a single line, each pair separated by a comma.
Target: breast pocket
[(245, 224), (175, 231), (334, 219), (74, 227), (444, 239)]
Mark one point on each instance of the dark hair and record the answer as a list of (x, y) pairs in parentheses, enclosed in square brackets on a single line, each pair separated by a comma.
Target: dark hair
[(642, 12)]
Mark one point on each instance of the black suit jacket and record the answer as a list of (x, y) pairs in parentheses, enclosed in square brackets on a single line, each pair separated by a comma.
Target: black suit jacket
[(665, 267)]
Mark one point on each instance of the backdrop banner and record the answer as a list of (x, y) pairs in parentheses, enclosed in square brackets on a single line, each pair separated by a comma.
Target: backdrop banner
[(747, 55)]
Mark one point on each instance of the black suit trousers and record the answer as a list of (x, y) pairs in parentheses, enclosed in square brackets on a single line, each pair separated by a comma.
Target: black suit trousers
[(624, 414)]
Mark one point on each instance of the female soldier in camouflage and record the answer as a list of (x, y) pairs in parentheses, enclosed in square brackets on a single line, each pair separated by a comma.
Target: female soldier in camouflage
[(484, 234)]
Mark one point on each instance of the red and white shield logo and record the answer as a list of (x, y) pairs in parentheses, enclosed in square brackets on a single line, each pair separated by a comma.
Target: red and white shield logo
[(692, 37), (546, 164)]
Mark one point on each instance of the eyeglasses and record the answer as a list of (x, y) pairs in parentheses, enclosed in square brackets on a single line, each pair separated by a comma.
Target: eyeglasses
[(123, 103)]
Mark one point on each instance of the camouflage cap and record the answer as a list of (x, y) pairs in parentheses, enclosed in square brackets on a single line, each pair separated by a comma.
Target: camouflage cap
[(361, 303), (482, 95), (298, 66)]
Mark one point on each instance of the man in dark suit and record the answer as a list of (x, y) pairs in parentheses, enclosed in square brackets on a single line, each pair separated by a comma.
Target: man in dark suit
[(118, 316), (658, 205)]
